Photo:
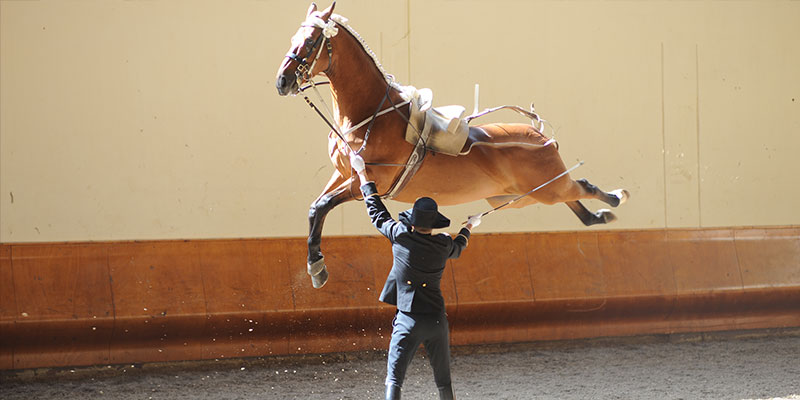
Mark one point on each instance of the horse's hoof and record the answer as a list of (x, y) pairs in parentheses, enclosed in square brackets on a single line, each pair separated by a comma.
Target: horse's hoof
[(316, 267), (622, 195), (607, 216), (319, 273), (319, 280)]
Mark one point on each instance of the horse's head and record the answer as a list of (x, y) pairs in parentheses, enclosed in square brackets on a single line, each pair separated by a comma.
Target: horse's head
[(310, 52)]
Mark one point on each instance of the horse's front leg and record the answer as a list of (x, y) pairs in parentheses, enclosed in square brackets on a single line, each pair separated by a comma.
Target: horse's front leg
[(338, 191)]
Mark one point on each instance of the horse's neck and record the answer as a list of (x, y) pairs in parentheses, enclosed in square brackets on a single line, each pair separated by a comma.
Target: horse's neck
[(357, 84)]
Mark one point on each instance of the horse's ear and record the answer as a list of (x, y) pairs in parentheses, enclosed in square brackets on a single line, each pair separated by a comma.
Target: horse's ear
[(328, 11), (311, 9)]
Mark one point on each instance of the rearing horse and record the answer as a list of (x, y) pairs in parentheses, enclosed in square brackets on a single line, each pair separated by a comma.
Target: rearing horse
[(511, 160)]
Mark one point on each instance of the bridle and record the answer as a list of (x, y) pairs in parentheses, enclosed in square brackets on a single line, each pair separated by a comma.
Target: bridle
[(303, 75), (303, 70)]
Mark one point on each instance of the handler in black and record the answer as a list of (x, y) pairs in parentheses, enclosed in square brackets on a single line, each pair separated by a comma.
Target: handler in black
[(413, 283)]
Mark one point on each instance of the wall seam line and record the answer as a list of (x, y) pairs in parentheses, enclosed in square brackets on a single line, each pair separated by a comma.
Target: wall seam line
[(697, 136), (408, 36), (113, 304), (16, 307), (664, 141)]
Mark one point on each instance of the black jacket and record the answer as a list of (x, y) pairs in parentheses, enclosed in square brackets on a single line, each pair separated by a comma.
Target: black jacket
[(413, 284)]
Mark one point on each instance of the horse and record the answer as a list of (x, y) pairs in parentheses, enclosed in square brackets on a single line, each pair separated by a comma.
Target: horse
[(509, 160)]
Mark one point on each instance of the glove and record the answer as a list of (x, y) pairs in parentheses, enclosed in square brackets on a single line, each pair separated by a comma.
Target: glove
[(357, 162), (474, 220)]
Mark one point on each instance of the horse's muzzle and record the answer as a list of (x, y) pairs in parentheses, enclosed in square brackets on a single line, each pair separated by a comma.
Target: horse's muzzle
[(286, 85)]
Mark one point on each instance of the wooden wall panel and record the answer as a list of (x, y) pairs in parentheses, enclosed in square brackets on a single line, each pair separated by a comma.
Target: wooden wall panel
[(98, 303), (707, 277), (567, 266), (158, 296), (636, 263), (704, 261), (769, 257), (68, 284), (8, 309), (248, 296), (494, 268), (769, 261), (493, 285), (569, 283), (640, 284)]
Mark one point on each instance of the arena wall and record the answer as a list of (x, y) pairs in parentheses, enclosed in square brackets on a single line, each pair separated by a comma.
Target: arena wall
[(131, 302), (154, 188)]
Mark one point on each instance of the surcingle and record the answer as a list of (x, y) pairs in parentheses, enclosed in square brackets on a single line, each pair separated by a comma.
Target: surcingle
[(442, 129)]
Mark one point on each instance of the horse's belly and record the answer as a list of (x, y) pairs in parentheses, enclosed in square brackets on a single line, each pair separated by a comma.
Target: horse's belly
[(487, 171), (447, 194), (450, 183)]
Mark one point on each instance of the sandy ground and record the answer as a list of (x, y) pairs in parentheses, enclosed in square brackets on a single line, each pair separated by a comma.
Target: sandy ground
[(733, 365)]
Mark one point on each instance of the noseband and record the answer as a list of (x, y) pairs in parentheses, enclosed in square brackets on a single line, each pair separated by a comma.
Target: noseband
[(329, 29), (304, 74)]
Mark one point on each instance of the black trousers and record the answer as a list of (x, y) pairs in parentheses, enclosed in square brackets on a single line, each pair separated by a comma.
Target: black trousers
[(408, 332)]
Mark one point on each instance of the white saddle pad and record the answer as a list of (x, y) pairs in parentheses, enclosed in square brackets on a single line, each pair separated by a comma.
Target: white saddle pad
[(443, 129)]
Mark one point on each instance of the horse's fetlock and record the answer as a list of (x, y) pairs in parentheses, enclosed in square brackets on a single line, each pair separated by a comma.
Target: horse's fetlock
[(312, 211)]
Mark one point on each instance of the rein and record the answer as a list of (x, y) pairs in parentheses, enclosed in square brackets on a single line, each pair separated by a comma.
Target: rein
[(371, 120), (303, 72)]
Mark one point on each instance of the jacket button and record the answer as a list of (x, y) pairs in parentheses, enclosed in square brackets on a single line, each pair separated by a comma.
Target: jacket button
[(408, 282), (424, 284)]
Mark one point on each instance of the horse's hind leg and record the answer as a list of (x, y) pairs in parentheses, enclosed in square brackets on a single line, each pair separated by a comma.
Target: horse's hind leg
[(589, 191), (589, 218), (613, 198)]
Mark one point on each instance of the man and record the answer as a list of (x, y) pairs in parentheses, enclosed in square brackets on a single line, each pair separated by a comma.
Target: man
[(413, 284)]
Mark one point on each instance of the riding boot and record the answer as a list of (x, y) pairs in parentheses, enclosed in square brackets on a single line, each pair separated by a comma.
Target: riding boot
[(446, 393), (392, 392)]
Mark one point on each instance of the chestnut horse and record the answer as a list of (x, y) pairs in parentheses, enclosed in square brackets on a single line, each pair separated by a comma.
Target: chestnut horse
[(325, 44)]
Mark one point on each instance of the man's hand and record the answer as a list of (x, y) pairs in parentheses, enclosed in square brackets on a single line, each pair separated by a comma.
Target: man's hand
[(357, 162), (473, 221)]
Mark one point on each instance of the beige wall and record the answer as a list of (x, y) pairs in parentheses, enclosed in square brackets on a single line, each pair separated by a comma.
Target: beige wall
[(159, 119)]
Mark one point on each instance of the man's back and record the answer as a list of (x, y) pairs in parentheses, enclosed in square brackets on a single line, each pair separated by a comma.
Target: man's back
[(414, 283)]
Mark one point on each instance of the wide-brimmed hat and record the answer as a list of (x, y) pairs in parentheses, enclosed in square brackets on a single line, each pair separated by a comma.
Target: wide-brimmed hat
[(425, 214)]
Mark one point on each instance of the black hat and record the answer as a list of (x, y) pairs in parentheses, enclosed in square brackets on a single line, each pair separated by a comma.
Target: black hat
[(425, 214)]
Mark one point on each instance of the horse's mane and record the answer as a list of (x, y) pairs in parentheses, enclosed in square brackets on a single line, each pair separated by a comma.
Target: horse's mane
[(342, 21)]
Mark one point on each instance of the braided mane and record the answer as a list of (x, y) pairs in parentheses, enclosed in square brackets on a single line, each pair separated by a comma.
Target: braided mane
[(342, 21)]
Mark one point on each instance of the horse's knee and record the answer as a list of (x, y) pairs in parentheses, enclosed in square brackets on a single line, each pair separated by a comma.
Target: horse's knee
[(312, 212), (318, 208)]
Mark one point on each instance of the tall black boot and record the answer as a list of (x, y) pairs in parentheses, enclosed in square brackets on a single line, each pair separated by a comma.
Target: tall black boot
[(446, 393), (392, 392)]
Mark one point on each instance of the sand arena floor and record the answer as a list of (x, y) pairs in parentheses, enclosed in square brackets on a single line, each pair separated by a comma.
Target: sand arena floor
[(732, 365)]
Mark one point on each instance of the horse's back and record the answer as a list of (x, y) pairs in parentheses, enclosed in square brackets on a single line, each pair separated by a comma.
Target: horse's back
[(504, 135)]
